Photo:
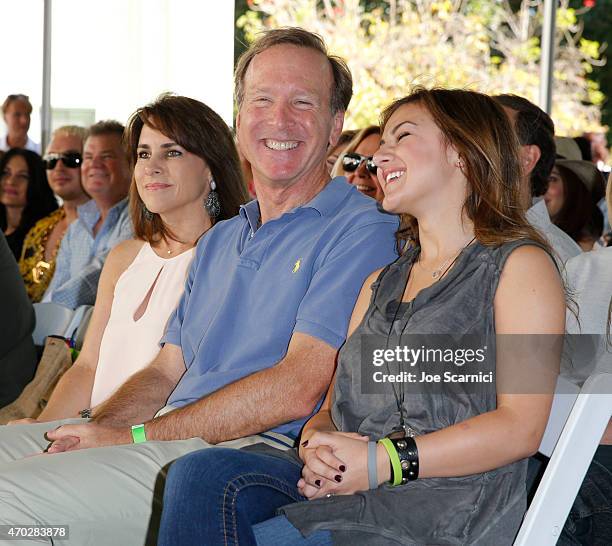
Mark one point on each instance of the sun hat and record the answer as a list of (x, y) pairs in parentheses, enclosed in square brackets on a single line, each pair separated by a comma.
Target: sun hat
[(570, 157)]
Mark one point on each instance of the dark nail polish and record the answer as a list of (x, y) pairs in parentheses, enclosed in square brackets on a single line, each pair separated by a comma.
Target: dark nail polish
[(318, 483), (304, 444), (342, 468), (338, 478)]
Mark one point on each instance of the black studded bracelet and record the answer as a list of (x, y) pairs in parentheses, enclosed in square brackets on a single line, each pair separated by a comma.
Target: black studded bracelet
[(409, 458)]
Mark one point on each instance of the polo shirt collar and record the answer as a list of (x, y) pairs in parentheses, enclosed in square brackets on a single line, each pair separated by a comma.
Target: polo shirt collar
[(250, 211), (325, 202)]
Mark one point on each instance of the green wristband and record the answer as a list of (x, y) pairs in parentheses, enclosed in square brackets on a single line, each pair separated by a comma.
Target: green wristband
[(396, 478), (139, 436)]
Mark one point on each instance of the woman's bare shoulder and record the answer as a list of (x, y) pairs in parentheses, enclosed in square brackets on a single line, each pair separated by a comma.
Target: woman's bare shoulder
[(122, 255)]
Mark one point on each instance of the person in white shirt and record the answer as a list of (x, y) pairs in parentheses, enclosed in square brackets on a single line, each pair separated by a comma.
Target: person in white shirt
[(16, 111), (536, 133)]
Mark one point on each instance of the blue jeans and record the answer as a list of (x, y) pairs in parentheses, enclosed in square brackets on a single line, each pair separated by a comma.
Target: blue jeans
[(218, 496), (589, 522)]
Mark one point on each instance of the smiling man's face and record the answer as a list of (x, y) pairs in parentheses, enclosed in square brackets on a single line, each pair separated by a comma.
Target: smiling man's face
[(105, 172), (285, 121)]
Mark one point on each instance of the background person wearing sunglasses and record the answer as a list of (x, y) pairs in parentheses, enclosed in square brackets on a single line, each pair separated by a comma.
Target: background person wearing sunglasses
[(25, 195), (63, 164), (103, 221), (333, 152), (357, 165)]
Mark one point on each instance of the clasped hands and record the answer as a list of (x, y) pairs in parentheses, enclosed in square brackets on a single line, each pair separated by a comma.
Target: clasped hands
[(87, 435), (336, 463)]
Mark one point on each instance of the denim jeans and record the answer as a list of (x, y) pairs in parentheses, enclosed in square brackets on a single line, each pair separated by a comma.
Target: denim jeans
[(589, 522), (217, 496)]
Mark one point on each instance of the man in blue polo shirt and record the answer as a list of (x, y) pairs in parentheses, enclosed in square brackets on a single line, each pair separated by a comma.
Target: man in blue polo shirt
[(250, 351)]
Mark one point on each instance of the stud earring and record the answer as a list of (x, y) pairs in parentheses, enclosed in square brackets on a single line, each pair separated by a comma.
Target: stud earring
[(212, 203), (148, 215)]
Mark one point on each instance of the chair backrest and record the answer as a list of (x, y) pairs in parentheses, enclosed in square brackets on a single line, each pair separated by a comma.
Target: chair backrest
[(78, 324), (566, 393), (569, 463), (51, 319), (79, 334)]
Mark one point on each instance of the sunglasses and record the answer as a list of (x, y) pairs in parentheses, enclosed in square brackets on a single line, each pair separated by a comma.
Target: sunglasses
[(72, 160), (352, 160)]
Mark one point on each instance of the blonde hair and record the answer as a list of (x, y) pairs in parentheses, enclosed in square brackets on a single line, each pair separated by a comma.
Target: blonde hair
[(71, 130)]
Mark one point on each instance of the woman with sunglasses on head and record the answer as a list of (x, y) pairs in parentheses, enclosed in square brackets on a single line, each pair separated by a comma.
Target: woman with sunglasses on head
[(445, 464), (16, 110), (63, 164), (25, 195), (357, 165), (186, 177)]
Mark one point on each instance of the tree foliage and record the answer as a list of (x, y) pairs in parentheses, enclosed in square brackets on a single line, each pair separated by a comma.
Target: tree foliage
[(484, 45)]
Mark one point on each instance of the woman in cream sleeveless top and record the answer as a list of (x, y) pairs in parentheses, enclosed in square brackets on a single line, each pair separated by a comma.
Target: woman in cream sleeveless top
[(178, 191), (132, 333)]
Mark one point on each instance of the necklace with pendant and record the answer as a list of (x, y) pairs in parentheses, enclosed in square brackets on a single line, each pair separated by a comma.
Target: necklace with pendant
[(447, 264), (438, 272)]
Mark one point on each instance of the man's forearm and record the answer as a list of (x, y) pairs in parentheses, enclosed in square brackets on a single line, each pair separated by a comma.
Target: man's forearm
[(253, 404), (137, 400)]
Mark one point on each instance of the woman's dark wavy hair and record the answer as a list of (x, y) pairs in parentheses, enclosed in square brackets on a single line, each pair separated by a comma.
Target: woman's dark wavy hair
[(477, 127), (40, 200), (201, 131)]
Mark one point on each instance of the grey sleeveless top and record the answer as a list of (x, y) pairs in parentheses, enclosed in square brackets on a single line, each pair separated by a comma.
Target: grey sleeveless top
[(479, 509)]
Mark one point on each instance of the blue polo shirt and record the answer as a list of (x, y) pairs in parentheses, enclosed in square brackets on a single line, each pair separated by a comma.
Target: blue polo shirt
[(250, 289)]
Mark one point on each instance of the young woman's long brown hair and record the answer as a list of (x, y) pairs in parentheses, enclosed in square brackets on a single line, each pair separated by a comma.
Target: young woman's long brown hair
[(201, 131), (481, 133)]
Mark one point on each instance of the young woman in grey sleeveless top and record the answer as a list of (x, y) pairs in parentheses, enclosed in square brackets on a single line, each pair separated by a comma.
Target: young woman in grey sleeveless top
[(450, 165)]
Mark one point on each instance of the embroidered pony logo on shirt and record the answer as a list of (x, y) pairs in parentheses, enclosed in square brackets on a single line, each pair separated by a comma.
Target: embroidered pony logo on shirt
[(296, 266)]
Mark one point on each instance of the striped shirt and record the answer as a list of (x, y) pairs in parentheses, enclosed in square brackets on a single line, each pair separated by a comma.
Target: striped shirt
[(81, 255)]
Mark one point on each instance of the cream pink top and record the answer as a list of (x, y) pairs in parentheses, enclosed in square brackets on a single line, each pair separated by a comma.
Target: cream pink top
[(150, 287)]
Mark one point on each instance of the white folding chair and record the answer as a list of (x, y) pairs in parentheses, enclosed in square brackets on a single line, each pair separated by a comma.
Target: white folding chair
[(569, 463), (566, 393), (51, 319), (78, 330), (78, 324)]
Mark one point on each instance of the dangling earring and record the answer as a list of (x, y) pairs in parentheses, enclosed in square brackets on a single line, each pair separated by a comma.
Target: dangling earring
[(459, 164), (212, 203), (148, 215)]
